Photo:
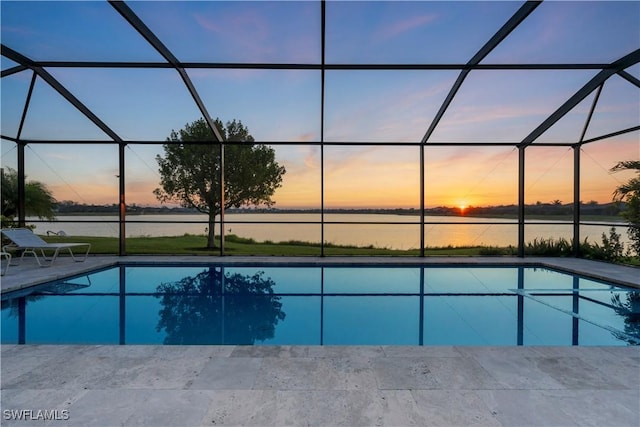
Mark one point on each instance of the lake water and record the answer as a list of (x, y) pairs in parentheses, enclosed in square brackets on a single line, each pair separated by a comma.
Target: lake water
[(392, 231)]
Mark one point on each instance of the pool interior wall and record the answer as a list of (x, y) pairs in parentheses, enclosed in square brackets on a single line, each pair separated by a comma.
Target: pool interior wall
[(330, 303)]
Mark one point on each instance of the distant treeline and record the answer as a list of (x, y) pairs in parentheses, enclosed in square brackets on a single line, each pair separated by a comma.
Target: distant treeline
[(69, 207), (554, 208), (591, 208)]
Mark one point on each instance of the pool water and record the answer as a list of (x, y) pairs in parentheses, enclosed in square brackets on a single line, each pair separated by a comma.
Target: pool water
[(312, 305)]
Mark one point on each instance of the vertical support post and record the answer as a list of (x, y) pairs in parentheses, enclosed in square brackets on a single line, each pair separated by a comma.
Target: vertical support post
[(576, 201), (322, 41), (221, 199), (22, 216), (122, 204), (322, 254), (521, 173), (422, 188), (21, 164), (576, 175)]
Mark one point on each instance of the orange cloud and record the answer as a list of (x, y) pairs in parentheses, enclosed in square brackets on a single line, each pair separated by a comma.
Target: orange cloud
[(90, 193), (306, 137)]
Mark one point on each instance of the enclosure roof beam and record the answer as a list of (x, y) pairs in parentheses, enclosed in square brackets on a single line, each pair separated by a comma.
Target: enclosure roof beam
[(520, 15), (150, 36), (9, 138), (629, 78), (611, 135), (13, 70), (319, 66), (587, 121), (582, 93), (60, 88)]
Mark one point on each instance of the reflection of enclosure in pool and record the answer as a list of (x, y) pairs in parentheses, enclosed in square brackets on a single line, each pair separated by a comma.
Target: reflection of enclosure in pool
[(313, 305)]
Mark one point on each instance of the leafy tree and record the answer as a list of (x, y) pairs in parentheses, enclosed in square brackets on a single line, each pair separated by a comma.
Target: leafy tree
[(214, 307), (629, 193), (38, 201), (190, 173)]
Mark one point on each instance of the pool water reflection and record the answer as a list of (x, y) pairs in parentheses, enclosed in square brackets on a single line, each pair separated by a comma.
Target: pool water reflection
[(311, 305)]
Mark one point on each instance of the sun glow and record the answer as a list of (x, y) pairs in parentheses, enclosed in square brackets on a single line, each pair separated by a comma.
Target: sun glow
[(462, 205)]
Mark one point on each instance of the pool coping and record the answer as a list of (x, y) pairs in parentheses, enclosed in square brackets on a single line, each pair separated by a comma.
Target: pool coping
[(28, 274)]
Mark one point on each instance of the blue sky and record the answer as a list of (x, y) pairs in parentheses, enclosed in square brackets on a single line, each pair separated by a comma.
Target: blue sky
[(285, 105)]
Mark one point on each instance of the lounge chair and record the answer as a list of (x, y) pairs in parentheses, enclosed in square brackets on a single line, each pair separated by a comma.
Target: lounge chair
[(25, 240)]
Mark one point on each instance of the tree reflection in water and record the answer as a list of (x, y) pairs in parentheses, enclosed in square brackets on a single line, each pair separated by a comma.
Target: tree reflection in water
[(628, 308), (214, 307)]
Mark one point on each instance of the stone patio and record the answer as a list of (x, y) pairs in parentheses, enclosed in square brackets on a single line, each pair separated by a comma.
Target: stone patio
[(139, 385)]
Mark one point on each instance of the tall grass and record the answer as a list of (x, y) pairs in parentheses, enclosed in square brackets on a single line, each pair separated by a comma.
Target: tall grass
[(549, 247)]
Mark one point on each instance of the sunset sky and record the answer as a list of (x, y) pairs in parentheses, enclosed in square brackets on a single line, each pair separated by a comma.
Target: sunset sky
[(492, 106)]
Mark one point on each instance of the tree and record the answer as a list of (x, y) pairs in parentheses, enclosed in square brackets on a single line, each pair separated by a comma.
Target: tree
[(629, 193), (39, 200), (190, 173)]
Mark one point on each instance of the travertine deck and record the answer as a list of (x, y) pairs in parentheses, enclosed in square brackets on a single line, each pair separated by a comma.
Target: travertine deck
[(319, 385), (347, 386)]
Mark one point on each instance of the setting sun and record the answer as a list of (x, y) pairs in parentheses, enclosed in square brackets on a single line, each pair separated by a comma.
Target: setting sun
[(462, 205)]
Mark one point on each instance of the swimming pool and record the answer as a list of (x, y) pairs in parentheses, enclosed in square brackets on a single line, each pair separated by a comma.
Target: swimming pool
[(324, 305)]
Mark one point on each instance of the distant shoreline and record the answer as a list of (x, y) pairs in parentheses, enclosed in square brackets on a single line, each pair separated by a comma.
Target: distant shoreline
[(532, 212), (556, 210)]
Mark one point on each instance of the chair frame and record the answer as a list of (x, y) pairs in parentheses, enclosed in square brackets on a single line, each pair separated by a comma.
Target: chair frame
[(37, 244), (7, 256)]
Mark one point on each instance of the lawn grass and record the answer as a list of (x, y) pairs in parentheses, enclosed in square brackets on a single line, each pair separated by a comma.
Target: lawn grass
[(189, 244), (195, 245)]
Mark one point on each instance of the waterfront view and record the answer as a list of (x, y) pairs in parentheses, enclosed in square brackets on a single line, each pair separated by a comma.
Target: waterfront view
[(318, 212), (379, 230)]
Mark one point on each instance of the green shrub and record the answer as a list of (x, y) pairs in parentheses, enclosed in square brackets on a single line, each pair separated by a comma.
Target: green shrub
[(237, 239), (549, 247), (612, 249)]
